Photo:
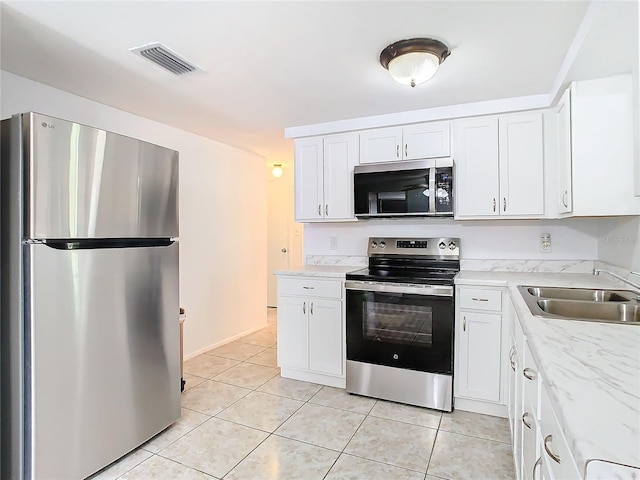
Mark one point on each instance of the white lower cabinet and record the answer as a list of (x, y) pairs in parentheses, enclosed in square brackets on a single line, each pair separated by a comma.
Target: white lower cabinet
[(478, 351), (311, 330)]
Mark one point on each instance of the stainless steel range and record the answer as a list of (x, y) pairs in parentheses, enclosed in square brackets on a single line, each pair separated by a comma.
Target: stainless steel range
[(400, 316)]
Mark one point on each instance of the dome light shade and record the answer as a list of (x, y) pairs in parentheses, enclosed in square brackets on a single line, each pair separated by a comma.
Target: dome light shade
[(414, 61), (277, 170)]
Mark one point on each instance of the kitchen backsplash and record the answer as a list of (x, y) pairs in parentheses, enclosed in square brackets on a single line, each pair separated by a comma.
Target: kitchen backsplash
[(565, 266), (337, 260)]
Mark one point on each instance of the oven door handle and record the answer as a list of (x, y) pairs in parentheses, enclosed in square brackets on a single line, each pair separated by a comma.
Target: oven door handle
[(433, 290)]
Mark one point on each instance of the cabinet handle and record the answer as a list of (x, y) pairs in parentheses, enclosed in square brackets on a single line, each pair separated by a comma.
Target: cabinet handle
[(304, 307), (326, 210), (504, 204), (311, 309), (475, 299), (405, 151), (565, 195), (397, 151), (494, 204), (525, 415), (511, 360), (530, 373), (308, 288), (319, 210), (464, 324), (535, 466), (548, 439)]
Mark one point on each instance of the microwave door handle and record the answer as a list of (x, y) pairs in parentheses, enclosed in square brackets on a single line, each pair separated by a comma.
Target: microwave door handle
[(432, 190)]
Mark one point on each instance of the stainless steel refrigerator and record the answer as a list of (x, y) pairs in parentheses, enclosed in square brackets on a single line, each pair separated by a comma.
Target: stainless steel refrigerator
[(89, 296)]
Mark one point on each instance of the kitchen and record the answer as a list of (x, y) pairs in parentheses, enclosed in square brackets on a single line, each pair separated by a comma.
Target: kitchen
[(207, 278)]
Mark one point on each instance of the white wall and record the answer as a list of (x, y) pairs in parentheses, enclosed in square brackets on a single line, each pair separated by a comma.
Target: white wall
[(619, 242), (572, 239), (222, 212)]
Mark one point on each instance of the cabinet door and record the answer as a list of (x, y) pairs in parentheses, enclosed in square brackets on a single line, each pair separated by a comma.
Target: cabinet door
[(340, 154), (326, 350), (380, 145), (426, 140), (476, 157), (563, 118), (308, 179), (478, 372), (521, 165), (293, 332)]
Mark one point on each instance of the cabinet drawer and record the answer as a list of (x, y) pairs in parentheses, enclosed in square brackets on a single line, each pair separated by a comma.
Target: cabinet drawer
[(477, 299), (310, 287), (554, 446)]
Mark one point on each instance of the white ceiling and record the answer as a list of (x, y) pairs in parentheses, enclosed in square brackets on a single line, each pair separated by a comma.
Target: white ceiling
[(276, 64)]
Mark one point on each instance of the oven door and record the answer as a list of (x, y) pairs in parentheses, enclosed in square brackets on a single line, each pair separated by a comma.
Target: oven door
[(403, 326)]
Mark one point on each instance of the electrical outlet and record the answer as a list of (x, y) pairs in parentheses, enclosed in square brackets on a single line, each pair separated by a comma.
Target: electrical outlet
[(545, 242), (333, 243)]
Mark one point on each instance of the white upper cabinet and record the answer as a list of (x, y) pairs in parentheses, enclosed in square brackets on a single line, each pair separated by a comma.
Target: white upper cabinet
[(412, 142), (521, 164), (324, 177), (563, 119), (309, 183), (476, 163), (601, 140), (499, 166)]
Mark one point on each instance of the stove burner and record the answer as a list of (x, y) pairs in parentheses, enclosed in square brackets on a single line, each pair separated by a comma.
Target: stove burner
[(432, 261)]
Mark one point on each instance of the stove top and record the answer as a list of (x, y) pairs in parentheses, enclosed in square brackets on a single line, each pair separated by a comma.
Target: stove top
[(433, 261)]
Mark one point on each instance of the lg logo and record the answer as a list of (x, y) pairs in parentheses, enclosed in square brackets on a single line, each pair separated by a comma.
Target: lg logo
[(48, 125)]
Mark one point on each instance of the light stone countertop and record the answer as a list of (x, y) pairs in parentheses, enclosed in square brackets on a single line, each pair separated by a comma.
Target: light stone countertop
[(591, 369), (336, 271)]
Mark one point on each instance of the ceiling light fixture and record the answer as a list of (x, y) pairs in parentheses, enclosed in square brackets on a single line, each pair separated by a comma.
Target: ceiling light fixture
[(414, 61), (277, 170)]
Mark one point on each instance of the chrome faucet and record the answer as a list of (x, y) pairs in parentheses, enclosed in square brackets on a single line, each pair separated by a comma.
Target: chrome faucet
[(597, 271)]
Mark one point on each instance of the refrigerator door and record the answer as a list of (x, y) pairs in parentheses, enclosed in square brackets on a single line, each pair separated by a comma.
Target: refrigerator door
[(89, 183), (103, 366)]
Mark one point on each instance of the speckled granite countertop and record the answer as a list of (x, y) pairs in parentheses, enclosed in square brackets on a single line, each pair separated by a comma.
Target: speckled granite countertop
[(591, 369)]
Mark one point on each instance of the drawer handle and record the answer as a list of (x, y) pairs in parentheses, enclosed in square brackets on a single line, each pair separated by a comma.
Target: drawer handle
[(308, 288), (475, 299), (536, 465), (511, 360), (311, 309), (548, 439), (525, 415), (530, 373), (304, 307)]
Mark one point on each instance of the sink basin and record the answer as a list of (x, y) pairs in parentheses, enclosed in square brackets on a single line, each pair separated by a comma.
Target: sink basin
[(618, 312), (593, 295), (588, 304)]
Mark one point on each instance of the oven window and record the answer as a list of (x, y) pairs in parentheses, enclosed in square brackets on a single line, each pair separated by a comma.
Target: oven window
[(397, 323)]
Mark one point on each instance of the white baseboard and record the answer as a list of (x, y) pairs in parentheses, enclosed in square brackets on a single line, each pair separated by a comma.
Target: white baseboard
[(319, 378), (478, 406), (223, 342)]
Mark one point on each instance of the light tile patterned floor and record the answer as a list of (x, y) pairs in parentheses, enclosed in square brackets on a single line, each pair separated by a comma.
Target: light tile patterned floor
[(242, 421)]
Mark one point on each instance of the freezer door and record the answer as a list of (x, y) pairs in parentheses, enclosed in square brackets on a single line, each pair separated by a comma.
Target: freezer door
[(104, 366), (89, 183)]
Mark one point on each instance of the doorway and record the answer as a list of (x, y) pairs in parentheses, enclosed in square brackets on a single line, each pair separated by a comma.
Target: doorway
[(284, 236)]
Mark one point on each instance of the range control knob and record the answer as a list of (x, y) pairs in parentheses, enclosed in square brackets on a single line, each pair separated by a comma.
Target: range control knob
[(452, 246), (441, 245), (374, 244), (382, 244)]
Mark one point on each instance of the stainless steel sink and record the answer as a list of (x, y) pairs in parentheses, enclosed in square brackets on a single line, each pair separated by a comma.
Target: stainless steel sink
[(596, 305), (620, 312), (593, 295)]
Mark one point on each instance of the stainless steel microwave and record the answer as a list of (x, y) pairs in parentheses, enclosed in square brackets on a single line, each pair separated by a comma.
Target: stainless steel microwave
[(404, 189)]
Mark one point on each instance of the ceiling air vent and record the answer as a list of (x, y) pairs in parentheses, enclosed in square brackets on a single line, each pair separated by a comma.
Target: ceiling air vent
[(165, 58)]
